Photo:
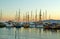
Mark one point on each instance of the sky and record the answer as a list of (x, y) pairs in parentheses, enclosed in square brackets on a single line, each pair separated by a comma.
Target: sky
[(9, 7)]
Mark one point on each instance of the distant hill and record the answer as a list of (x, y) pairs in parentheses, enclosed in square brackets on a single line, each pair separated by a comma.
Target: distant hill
[(52, 21)]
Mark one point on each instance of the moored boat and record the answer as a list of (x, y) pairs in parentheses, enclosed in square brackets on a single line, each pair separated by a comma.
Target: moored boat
[(26, 25), (2, 25), (52, 26), (17, 25)]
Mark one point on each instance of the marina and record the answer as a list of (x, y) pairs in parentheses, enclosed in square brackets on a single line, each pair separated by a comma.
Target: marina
[(27, 22), (29, 19)]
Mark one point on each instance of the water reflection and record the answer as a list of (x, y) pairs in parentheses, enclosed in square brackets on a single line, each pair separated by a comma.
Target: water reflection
[(29, 33)]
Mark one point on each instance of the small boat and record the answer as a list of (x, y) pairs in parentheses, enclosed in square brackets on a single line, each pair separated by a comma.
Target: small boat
[(31, 25), (26, 25), (9, 25), (56, 27), (2, 25), (17, 25), (47, 26), (52, 26), (39, 26)]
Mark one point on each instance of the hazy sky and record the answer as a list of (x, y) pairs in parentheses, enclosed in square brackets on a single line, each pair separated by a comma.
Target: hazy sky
[(9, 7)]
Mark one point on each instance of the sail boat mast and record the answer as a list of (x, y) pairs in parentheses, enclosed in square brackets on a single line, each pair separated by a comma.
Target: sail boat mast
[(40, 19), (40, 16), (46, 14), (16, 16), (36, 16), (28, 16), (19, 16), (1, 15), (43, 16), (31, 15), (23, 18), (49, 16)]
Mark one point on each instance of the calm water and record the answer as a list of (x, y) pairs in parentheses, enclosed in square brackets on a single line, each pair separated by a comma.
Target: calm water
[(29, 33)]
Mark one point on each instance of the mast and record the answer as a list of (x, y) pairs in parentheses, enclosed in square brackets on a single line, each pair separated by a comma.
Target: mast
[(46, 14), (31, 15), (23, 18), (43, 16), (40, 16), (16, 16), (28, 16), (36, 16), (1, 15), (49, 16), (40, 19), (19, 16)]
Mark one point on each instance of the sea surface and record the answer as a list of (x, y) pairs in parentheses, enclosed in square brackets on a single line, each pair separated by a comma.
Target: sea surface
[(29, 33)]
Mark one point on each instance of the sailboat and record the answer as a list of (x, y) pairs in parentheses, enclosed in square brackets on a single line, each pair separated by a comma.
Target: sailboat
[(48, 25), (2, 25), (32, 24), (39, 23), (18, 25), (26, 24)]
